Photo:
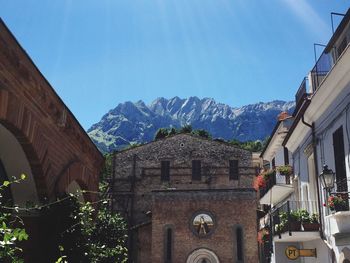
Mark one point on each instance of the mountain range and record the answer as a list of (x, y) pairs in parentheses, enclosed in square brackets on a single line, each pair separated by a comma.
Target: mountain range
[(131, 123)]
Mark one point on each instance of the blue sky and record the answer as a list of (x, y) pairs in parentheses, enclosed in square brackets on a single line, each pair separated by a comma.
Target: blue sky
[(98, 53)]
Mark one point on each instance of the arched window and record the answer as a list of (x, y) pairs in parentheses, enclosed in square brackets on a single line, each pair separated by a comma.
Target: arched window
[(168, 245), (238, 233), (6, 192)]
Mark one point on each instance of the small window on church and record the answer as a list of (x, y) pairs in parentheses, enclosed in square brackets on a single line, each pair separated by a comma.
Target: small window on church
[(196, 170), (168, 245), (165, 170), (239, 243), (233, 169)]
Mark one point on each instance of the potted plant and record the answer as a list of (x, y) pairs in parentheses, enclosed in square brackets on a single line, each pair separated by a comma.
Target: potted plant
[(310, 223), (263, 236), (269, 173), (283, 221), (337, 203), (259, 182), (295, 220), (286, 170)]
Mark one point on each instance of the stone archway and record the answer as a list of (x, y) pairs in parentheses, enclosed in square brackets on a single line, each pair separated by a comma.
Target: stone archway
[(202, 255), (15, 162)]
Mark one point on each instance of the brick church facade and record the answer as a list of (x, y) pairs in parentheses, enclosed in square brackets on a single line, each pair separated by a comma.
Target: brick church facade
[(187, 199)]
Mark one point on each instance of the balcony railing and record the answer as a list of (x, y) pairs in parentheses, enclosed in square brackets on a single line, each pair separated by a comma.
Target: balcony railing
[(292, 216), (323, 65), (275, 179), (301, 93)]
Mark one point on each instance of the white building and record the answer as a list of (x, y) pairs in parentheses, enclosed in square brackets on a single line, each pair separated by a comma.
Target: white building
[(318, 136)]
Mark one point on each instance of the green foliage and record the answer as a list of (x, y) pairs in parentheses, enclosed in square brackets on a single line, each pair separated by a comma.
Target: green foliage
[(172, 131), (109, 237), (304, 216), (161, 133), (186, 129), (253, 146), (202, 133), (166, 132), (107, 168), (11, 228), (285, 170), (314, 218), (295, 216), (94, 236)]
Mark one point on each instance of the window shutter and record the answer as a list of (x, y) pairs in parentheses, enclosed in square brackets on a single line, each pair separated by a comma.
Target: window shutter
[(165, 170), (196, 170), (339, 158), (233, 169)]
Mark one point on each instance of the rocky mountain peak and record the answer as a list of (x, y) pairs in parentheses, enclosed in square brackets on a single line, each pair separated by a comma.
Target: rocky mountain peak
[(137, 122)]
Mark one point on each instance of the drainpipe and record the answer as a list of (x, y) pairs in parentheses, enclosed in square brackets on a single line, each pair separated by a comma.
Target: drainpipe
[(314, 146)]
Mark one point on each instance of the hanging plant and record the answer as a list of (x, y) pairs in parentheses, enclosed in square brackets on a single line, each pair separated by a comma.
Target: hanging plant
[(259, 182), (263, 236), (336, 203), (285, 170)]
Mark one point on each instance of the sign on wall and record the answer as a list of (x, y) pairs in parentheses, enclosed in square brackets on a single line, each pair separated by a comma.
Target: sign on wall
[(294, 253)]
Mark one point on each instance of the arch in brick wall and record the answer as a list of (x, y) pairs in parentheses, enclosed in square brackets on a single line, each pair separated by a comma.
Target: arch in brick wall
[(15, 162), (75, 177), (202, 255), (18, 121)]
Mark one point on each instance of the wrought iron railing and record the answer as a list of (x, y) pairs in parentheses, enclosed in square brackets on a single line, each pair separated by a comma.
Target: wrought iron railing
[(321, 69), (341, 191), (290, 216), (301, 93)]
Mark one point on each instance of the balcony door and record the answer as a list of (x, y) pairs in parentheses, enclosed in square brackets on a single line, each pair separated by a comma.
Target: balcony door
[(312, 193)]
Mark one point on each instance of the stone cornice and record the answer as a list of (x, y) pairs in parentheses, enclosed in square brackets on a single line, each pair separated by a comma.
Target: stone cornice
[(207, 194)]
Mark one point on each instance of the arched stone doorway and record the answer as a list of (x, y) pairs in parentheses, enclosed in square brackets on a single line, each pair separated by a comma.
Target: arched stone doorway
[(202, 255)]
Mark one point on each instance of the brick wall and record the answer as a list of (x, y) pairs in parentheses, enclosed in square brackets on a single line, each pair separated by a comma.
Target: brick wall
[(174, 202), (229, 209)]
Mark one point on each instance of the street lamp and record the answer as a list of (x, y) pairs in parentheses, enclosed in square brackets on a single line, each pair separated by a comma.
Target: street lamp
[(327, 178)]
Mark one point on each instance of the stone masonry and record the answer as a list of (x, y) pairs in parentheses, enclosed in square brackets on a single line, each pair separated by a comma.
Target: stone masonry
[(151, 204)]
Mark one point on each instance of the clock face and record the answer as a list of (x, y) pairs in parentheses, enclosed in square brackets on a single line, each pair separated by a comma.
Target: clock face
[(202, 224)]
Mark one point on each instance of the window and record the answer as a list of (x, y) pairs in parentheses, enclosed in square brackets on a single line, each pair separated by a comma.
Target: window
[(168, 245), (165, 170), (202, 224), (233, 169), (196, 170), (286, 156), (273, 163), (339, 158), (239, 244)]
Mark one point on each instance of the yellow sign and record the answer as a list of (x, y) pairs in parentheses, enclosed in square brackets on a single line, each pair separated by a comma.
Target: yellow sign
[(294, 253), (308, 252)]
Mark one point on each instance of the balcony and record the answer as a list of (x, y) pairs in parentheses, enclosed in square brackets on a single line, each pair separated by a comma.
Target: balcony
[(295, 221), (332, 52), (277, 188), (301, 94), (339, 219)]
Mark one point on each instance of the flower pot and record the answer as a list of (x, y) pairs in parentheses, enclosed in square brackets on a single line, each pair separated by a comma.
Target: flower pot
[(311, 226), (340, 207), (295, 226)]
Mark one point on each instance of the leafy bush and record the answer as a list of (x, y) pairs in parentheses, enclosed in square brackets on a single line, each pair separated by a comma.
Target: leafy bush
[(11, 228)]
